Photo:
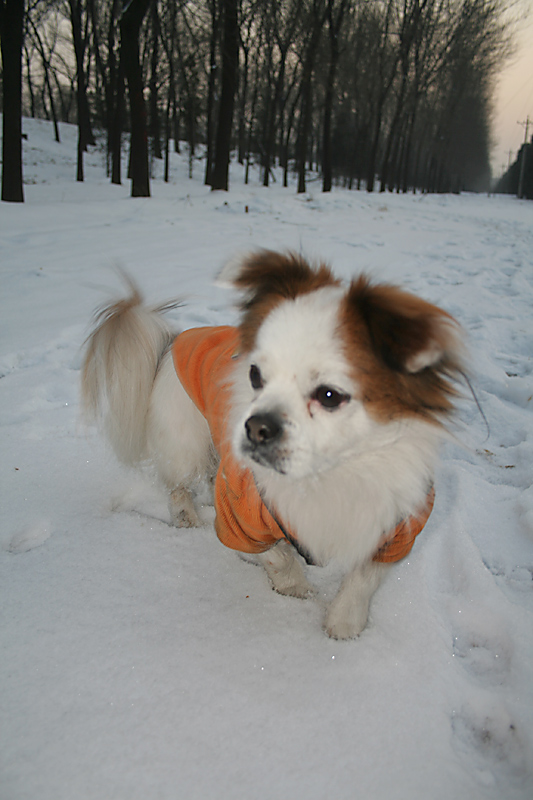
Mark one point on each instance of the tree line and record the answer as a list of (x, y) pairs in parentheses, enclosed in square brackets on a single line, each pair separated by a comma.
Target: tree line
[(388, 94)]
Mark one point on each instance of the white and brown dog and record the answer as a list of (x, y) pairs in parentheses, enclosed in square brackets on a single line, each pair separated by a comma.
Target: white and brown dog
[(321, 415)]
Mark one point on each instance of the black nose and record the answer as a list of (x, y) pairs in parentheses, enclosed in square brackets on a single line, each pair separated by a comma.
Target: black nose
[(263, 429)]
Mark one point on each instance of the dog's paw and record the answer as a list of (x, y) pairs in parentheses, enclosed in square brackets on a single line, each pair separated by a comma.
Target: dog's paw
[(285, 571), (291, 587), (341, 629), (342, 623), (182, 511)]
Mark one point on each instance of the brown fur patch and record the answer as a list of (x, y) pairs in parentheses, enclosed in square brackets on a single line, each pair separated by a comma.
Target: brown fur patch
[(269, 278), (384, 330)]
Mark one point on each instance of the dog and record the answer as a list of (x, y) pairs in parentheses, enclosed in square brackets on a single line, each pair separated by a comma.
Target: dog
[(318, 418)]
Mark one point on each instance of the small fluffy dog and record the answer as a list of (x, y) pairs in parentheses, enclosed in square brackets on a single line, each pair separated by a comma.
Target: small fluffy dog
[(320, 415)]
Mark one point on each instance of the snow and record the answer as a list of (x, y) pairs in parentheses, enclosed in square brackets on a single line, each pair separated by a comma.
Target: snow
[(139, 661)]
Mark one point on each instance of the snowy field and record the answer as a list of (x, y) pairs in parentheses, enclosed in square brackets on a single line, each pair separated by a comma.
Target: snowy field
[(140, 662)]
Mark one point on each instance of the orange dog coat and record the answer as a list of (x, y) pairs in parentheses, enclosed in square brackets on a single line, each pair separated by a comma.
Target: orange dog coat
[(203, 359)]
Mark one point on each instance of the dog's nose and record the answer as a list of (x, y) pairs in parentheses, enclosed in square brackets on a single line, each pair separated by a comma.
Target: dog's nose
[(263, 428)]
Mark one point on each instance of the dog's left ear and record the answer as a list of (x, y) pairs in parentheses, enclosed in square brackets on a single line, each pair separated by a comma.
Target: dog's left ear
[(407, 333)]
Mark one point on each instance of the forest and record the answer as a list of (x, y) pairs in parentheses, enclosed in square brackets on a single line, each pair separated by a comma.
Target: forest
[(376, 94)]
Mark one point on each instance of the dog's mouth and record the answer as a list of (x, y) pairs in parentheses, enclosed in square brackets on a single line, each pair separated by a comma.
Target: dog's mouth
[(271, 460), (263, 441)]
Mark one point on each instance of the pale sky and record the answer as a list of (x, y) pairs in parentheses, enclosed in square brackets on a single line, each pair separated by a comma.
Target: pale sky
[(514, 99)]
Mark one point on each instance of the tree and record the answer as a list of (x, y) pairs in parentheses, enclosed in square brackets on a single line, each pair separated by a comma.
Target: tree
[(213, 37), (130, 24), (11, 33), (281, 28), (85, 134), (315, 21), (155, 126), (46, 59), (335, 15), (230, 64)]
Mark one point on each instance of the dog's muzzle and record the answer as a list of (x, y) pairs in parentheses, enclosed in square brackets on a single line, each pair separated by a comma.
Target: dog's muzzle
[(264, 433)]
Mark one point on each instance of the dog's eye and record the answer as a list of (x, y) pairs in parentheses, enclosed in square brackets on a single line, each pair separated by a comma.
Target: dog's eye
[(329, 398), (255, 377)]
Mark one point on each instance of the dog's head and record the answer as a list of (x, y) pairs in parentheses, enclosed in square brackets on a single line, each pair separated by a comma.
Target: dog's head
[(325, 370)]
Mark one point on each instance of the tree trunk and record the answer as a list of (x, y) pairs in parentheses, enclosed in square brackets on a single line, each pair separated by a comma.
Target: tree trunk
[(211, 92), (11, 33), (373, 154), (327, 172), (112, 98), (45, 60), (230, 64), (242, 109), (130, 25), (317, 23), (84, 120), (27, 59), (115, 134), (303, 129), (334, 26), (167, 132), (155, 126)]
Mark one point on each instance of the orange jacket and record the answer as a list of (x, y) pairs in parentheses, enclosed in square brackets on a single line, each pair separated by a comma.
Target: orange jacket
[(203, 360)]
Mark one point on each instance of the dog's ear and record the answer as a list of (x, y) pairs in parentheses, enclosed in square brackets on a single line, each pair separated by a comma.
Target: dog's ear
[(268, 273), (266, 278), (408, 334)]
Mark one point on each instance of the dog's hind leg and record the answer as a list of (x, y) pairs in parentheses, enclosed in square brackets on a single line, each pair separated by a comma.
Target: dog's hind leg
[(347, 615), (179, 443)]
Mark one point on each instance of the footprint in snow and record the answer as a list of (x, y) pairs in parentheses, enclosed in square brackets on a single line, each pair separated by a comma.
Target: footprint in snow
[(492, 743), (486, 656), (28, 538)]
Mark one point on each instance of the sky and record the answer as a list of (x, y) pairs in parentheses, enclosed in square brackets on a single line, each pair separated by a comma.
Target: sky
[(514, 98)]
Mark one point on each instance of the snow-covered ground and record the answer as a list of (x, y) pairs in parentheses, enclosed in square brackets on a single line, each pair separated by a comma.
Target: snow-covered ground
[(141, 662)]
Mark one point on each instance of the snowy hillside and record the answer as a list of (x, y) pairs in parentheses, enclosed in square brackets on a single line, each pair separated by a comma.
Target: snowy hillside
[(142, 662)]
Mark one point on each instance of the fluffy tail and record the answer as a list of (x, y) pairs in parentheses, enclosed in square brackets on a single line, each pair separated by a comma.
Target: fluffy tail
[(121, 360)]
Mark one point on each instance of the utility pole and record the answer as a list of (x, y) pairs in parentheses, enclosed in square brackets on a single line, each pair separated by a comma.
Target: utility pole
[(526, 125)]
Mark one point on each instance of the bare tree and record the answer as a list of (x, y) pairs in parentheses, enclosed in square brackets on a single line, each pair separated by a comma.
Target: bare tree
[(281, 26), (85, 134), (230, 65), (46, 54), (214, 10), (130, 24), (315, 18), (335, 15), (155, 125), (11, 34)]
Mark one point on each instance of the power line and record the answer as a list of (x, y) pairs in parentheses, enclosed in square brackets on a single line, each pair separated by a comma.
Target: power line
[(526, 125)]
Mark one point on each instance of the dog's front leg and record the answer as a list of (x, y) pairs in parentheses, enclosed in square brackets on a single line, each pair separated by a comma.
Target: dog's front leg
[(348, 613), (182, 511), (285, 570)]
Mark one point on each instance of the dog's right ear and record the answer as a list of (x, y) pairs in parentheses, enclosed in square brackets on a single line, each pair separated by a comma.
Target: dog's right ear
[(268, 273), (266, 278)]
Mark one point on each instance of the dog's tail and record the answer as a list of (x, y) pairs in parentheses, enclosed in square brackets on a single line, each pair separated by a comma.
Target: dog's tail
[(121, 361)]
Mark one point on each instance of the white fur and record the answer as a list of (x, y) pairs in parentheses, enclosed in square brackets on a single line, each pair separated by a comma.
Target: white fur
[(343, 479)]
